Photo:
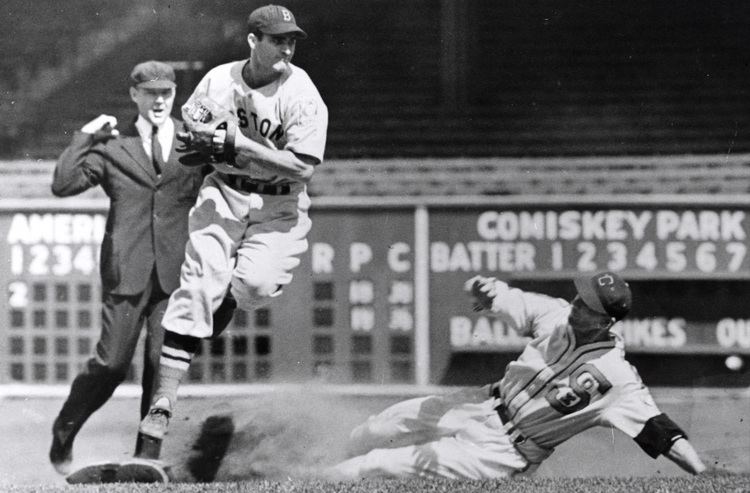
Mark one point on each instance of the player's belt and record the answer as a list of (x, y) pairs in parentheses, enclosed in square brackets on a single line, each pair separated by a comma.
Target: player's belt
[(510, 428), (525, 445), (514, 433), (245, 184)]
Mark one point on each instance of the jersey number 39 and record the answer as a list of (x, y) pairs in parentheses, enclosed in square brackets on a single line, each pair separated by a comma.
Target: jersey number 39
[(584, 383)]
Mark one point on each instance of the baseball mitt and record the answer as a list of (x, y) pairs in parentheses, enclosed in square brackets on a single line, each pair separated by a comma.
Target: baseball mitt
[(208, 134)]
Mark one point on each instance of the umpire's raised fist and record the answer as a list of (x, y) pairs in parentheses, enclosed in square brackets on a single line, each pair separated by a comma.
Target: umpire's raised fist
[(102, 128)]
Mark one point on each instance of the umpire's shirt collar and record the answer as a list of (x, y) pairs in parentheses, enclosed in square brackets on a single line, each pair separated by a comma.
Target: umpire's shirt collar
[(166, 133)]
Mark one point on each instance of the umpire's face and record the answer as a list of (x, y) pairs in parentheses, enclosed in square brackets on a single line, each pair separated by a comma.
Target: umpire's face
[(154, 104)]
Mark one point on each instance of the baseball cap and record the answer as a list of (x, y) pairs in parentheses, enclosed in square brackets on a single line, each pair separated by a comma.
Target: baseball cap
[(274, 19), (152, 75), (606, 293)]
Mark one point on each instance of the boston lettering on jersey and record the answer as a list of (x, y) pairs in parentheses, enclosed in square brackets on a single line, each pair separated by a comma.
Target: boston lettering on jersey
[(262, 126)]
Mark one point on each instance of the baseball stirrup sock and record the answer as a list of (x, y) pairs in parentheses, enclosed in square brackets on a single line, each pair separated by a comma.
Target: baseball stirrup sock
[(176, 354)]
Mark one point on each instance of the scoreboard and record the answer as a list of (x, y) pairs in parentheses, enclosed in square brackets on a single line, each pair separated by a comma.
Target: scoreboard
[(378, 296), (662, 242)]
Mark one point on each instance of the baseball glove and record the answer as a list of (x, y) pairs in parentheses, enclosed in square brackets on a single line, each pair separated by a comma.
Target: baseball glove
[(208, 135)]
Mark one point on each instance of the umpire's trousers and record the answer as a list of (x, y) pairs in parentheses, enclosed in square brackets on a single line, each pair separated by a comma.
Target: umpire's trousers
[(122, 320)]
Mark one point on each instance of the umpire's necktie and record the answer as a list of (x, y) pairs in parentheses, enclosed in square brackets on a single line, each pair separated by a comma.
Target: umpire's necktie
[(156, 156)]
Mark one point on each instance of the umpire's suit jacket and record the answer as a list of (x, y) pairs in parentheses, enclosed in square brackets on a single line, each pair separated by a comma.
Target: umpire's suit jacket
[(147, 223)]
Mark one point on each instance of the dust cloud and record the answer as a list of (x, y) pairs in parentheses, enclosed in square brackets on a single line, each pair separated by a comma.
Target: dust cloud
[(276, 435)]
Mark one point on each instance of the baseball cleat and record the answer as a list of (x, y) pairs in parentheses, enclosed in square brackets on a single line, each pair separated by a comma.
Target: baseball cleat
[(142, 471), (61, 451), (105, 472), (152, 430), (131, 471)]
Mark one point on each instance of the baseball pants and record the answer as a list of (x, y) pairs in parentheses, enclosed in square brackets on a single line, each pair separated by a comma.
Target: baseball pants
[(457, 435), (246, 242)]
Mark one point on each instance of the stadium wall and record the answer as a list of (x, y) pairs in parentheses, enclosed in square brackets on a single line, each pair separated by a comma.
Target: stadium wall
[(378, 297)]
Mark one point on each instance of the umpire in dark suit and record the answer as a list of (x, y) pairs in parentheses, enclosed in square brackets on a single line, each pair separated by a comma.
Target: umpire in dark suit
[(143, 248)]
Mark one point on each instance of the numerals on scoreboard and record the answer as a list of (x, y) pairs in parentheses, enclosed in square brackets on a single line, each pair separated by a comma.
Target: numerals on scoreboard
[(654, 257), (53, 260)]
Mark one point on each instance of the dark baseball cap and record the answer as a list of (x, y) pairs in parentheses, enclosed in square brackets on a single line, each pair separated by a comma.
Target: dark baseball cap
[(153, 75), (274, 19), (606, 293)]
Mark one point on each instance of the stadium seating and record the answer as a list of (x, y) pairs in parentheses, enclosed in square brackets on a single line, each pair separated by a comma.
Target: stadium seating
[(410, 177), (535, 176), (534, 80)]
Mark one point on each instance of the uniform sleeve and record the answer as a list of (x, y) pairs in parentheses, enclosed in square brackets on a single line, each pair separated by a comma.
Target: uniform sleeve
[(306, 124), (214, 85), (202, 89), (636, 414), (525, 311), (658, 435), (80, 166)]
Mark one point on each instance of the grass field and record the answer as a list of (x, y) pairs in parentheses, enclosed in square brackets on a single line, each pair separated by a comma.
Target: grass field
[(733, 484), (281, 436)]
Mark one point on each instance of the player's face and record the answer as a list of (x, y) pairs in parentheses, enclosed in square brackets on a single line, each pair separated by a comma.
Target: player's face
[(273, 52), (155, 105), (584, 318)]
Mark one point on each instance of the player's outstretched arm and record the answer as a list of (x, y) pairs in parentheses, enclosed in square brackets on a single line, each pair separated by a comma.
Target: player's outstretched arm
[(684, 455), (659, 435)]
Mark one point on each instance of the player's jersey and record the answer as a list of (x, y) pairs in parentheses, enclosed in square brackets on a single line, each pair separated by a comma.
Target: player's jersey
[(286, 114), (555, 390)]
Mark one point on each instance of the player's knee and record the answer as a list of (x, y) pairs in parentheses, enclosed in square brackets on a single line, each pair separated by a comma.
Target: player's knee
[(251, 295), (380, 429), (374, 429)]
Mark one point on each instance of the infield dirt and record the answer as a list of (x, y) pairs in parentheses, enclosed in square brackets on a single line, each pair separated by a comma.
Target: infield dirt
[(296, 431)]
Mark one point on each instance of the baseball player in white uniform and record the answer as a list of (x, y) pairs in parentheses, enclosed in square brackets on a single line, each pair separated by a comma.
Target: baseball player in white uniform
[(262, 123), (570, 377)]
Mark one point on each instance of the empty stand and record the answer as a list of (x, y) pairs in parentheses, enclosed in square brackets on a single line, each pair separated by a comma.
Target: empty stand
[(408, 177), (729, 174), (537, 79)]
